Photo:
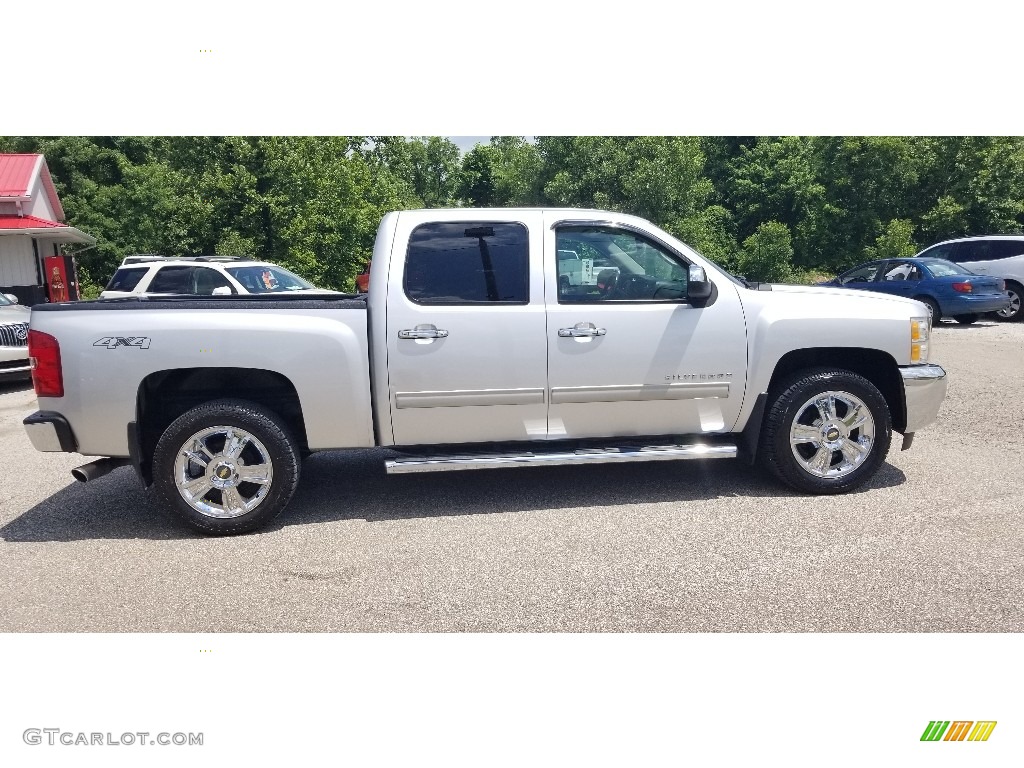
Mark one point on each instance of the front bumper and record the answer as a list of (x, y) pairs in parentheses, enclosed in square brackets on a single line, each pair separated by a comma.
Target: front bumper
[(50, 432), (924, 388), (14, 362)]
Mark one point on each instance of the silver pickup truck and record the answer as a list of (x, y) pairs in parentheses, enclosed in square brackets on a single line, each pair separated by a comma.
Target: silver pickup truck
[(471, 351)]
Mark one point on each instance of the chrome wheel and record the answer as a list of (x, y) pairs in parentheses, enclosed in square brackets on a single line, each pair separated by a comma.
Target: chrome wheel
[(832, 435), (223, 472), (1013, 309)]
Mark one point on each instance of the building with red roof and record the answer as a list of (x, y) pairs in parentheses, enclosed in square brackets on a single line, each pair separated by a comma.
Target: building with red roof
[(35, 263)]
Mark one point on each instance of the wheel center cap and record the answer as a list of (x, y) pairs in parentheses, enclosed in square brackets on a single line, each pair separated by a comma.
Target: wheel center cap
[(223, 475), (832, 434)]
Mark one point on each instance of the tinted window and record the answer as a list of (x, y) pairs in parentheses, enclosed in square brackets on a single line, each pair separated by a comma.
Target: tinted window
[(126, 279), (940, 251), (468, 263), (1004, 249), (597, 264), (172, 280), (987, 250)]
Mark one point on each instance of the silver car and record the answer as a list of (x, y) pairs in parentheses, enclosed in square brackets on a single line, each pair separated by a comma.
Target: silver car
[(13, 339)]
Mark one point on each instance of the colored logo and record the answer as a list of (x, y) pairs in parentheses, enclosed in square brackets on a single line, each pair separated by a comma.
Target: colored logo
[(958, 730)]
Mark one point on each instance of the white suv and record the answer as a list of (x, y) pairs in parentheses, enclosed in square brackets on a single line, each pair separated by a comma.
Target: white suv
[(202, 276), (995, 255)]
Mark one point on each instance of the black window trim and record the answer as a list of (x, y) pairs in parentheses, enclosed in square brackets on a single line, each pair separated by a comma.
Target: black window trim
[(475, 223), (633, 229), (165, 268)]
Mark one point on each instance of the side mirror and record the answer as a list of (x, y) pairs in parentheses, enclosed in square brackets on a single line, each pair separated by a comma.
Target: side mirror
[(11, 298), (222, 291), (698, 288)]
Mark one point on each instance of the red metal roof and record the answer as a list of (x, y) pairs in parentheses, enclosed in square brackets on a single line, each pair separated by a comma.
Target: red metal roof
[(11, 221), (17, 174)]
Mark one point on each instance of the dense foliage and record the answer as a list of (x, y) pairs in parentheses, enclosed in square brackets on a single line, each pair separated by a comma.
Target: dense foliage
[(772, 208)]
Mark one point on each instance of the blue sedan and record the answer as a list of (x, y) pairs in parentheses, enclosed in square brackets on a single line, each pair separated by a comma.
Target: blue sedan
[(946, 288)]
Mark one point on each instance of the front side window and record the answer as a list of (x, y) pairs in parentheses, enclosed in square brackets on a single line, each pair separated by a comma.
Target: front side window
[(944, 251), (468, 263), (600, 264), (865, 273), (268, 279), (207, 280)]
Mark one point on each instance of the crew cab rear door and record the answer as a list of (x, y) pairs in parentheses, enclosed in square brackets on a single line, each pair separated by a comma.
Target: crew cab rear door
[(628, 354), (466, 332)]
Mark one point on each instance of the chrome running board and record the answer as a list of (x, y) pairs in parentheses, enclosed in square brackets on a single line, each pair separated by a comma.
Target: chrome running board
[(557, 458)]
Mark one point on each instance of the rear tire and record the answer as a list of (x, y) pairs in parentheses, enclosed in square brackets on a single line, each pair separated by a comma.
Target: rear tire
[(1015, 311), (827, 431), (227, 466)]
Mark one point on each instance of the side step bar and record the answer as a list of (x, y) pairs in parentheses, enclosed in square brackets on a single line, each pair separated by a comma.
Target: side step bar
[(585, 456)]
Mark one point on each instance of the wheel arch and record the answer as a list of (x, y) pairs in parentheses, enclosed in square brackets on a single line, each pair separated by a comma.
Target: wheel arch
[(165, 395), (929, 298), (878, 367)]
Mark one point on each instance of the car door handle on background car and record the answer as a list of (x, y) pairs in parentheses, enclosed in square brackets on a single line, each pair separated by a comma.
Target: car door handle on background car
[(423, 332), (581, 329)]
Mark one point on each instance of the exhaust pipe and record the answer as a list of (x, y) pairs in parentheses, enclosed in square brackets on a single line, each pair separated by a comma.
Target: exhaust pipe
[(94, 469)]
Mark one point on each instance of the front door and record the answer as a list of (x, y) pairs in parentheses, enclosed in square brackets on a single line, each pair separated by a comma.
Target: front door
[(466, 341), (628, 354), (900, 278)]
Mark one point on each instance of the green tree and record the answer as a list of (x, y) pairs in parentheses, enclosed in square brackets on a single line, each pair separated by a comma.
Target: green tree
[(505, 172), (767, 254), (895, 242)]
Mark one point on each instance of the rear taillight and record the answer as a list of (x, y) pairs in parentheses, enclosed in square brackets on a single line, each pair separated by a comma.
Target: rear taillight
[(44, 354), (962, 287)]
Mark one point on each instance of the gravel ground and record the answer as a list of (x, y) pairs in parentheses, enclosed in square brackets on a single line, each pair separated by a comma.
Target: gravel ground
[(933, 545)]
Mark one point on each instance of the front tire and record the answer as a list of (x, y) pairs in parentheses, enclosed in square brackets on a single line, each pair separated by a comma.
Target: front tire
[(827, 431), (933, 308), (227, 466)]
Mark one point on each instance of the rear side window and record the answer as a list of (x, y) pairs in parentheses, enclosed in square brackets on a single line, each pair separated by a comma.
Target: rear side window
[(126, 279), (987, 250), (1005, 249), (172, 280), (468, 263)]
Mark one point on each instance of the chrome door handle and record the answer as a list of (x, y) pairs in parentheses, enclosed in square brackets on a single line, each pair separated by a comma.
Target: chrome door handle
[(581, 329), (423, 332)]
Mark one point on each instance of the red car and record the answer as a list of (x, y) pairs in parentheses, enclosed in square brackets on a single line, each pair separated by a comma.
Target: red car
[(363, 280)]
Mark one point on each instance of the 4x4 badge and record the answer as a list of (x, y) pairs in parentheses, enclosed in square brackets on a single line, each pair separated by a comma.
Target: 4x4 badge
[(111, 342)]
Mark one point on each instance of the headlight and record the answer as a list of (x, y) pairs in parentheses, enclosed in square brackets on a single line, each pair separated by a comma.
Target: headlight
[(920, 332)]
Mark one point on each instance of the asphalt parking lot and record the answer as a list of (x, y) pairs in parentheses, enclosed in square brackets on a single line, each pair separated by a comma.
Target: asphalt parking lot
[(932, 545)]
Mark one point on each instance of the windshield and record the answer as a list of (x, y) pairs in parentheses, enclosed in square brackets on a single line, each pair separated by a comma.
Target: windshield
[(268, 279), (4, 302), (943, 268)]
